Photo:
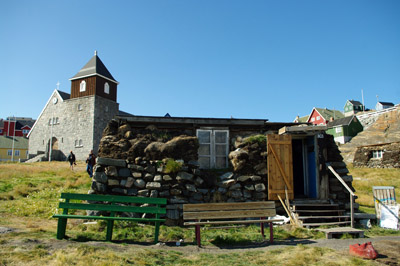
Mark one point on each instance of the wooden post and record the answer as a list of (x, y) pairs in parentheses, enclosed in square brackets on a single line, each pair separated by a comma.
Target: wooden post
[(352, 210)]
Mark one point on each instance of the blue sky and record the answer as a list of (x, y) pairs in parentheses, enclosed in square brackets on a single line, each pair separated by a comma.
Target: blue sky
[(211, 58)]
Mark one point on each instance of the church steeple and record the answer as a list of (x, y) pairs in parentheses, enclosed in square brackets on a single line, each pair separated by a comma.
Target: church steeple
[(94, 79)]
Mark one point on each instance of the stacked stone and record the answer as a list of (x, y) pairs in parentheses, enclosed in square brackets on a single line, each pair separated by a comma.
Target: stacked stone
[(149, 179)]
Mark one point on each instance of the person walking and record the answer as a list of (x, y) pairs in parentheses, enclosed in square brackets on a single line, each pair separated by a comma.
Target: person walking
[(71, 159), (90, 161)]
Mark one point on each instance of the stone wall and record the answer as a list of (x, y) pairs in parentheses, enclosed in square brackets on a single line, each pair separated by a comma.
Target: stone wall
[(188, 184)]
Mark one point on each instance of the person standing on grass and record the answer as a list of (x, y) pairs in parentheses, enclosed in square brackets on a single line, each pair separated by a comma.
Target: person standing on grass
[(71, 159), (90, 161)]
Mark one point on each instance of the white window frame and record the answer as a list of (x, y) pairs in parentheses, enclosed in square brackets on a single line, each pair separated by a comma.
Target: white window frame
[(9, 152), (106, 88), (318, 117), (312, 119), (213, 144), (338, 130), (24, 131), (377, 154), (16, 153), (82, 86)]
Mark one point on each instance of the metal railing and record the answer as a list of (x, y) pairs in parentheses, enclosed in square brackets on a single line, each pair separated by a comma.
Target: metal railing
[(348, 189)]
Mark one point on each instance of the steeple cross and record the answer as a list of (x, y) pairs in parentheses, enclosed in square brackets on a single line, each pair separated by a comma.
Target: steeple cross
[(58, 85)]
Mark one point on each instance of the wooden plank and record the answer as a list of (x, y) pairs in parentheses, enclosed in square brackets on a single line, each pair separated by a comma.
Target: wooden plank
[(228, 214), (229, 206), (233, 222), (85, 217), (113, 198), (116, 208)]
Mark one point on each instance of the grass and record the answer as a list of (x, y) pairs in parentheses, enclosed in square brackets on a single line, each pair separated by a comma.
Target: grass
[(29, 197), (365, 178)]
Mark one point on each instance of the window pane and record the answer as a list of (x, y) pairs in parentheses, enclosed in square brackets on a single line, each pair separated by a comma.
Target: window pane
[(221, 137), (204, 149), (220, 162), (220, 150), (203, 136), (204, 162)]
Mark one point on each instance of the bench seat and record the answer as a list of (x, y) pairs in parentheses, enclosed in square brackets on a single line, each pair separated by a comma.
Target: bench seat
[(114, 206)]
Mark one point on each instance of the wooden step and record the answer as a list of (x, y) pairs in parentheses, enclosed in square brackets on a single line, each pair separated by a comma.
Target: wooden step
[(319, 211), (323, 217), (328, 223), (342, 230)]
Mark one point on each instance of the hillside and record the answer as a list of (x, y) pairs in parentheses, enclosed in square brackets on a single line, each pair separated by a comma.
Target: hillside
[(386, 129)]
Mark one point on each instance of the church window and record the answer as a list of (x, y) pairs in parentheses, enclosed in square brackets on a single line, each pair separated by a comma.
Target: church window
[(80, 143), (76, 143), (82, 86), (107, 88), (50, 122), (80, 107), (106, 109)]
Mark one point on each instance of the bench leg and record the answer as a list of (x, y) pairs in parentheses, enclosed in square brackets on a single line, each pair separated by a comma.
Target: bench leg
[(262, 229), (157, 231), (110, 225), (198, 237), (61, 227), (271, 233)]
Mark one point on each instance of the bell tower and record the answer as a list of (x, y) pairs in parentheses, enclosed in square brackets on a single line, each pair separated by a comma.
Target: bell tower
[(94, 79)]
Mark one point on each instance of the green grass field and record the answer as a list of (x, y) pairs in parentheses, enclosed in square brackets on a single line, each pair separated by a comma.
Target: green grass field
[(29, 197)]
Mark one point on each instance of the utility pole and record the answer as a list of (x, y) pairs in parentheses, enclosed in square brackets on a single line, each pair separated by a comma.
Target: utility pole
[(12, 150), (362, 97)]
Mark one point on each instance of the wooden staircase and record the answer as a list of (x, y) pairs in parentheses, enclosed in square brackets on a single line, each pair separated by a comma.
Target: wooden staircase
[(314, 213)]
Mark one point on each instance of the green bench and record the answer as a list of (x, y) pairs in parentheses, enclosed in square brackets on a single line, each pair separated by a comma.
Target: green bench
[(114, 206)]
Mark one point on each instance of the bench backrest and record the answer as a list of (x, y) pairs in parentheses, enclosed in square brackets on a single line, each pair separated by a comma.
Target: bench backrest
[(111, 203), (233, 210)]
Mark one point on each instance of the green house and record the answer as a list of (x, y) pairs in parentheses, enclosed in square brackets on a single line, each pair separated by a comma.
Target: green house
[(352, 107), (344, 129)]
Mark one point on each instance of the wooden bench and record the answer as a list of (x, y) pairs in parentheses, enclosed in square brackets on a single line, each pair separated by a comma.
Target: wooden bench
[(230, 213), (112, 205)]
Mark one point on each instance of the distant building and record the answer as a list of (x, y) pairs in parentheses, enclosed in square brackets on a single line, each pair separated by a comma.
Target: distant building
[(321, 116), (13, 148), (352, 107), (383, 105), (344, 129), (76, 121), (16, 126)]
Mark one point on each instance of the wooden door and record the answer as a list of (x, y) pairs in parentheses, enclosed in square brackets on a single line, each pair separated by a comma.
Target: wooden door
[(280, 166)]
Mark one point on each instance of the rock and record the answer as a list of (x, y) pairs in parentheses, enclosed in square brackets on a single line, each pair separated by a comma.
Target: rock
[(235, 186), (100, 177), (167, 178), (164, 194), (153, 194), (158, 178), (113, 182), (238, 159), (120, 191), (227, 183), (184, 176), (173, 214), (136, 167), (182, 147), (111, 171), (249, 187), (260, 195), (255, 178), (143, 193), (122, 183), (247, 194), (153, 185), (137, 175), (199, 181), (132, 192), (235, 194), (148, 177), (243, 178), (222, 190), (111, 162), (150, 169), (228, 175), (139, 183), (259, 187), (100, 187), (197, 196), (191, 187), (177, 200), (124, 172), (129, 182), (175, 191)]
